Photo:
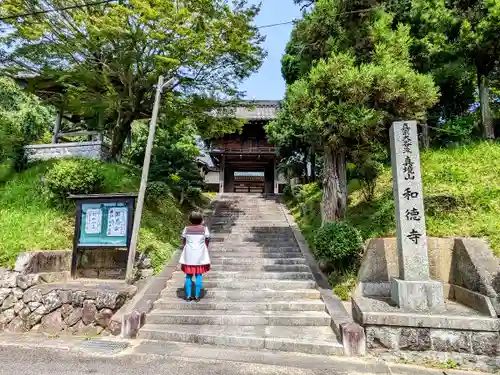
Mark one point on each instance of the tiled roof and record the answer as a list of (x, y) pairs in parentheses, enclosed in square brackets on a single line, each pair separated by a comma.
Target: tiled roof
[(258, 110)]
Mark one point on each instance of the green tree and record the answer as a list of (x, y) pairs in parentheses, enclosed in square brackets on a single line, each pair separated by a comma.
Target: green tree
[(23, 119), (349, 100), (174, 157), (107, 58), (479, 31)]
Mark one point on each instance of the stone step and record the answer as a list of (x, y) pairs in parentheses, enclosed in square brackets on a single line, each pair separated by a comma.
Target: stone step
[(221, 248), (311, 340), (250, 237), (272, 227), (227, 259), (248, 275), (264, 255), (247, 295), (262, 268), (229, 317), (262, 304), (251, 284)]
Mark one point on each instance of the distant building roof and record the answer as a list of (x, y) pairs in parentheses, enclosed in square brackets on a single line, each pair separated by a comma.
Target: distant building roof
[(258, 109)]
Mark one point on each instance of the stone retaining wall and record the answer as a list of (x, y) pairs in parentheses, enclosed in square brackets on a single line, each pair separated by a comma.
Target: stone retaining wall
[(434, 339), (28, 304), (92, 150)]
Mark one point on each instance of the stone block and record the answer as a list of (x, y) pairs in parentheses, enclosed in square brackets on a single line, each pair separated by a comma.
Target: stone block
[(451, 341), (382, 337), (33, 305), (353, 339), (474, 267), (24, 314), (65, 296), (18, 293), (110, 300), (53, 322), (33, 294), (8, 279), (74, 317), (17, 325), (474, 300), (418, 295), (7, 316), (36, 262), (9, 302), (486, 343), (27, 281), (51, 301), (77, 297), (19, 306), (89, 312), (66, 310), (131, 324), (4, 293), (417, 339), (103, 317), (380, 264)]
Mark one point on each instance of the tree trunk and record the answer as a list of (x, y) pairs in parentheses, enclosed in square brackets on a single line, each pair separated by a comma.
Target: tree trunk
[(313, 165), (484, 99), (426, 141), (334, 204), (120, 133)]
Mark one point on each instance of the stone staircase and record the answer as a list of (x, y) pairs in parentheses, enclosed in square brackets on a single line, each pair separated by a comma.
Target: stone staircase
[(260, 293)]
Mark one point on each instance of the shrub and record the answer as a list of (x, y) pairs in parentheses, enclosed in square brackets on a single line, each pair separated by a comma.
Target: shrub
[(296, 189), (287, 191), (195, 197), (73, 176), (157, 190), (338, 244)]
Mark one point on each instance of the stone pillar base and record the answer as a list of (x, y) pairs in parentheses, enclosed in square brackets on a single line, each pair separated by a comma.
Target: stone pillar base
[(418, 295)]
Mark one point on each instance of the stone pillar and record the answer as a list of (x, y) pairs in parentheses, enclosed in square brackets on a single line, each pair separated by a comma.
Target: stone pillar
[(413, 289), (57, 125), (222, 173)]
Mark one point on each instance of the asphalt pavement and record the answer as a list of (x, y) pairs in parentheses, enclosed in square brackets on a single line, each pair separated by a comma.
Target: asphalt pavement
[(43, 361)]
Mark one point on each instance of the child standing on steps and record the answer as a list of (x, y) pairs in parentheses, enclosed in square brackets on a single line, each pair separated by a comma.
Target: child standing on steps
[(195, 260)]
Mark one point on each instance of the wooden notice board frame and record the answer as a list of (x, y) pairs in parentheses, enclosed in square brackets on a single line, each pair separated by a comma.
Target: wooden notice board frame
[(117, 236)]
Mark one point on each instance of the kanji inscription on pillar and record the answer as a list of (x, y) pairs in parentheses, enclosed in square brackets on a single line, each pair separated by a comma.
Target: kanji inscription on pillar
[(407, 189)]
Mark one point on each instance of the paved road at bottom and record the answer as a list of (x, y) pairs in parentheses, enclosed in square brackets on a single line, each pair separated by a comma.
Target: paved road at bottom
[(43, 361)]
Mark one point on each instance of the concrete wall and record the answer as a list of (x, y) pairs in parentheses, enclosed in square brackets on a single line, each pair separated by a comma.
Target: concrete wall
[(462, 264), (92, 150), (212, 177)]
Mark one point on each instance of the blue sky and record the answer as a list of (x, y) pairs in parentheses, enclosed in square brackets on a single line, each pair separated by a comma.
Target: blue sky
[(268, 83)]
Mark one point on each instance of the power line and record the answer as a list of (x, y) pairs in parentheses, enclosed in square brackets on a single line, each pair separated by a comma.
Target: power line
[(276, 24), (339, 14), (76, 6)]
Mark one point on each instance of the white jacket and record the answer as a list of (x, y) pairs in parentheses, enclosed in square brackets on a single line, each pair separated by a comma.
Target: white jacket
[(195, 252)]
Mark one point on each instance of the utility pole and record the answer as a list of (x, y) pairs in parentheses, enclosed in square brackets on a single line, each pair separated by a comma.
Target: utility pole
[(129, 276)]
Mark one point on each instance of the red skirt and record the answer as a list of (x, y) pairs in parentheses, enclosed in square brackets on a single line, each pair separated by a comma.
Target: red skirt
[(195, 270)]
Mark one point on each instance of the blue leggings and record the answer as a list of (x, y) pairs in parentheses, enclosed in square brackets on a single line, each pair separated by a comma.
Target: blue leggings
[(189, 281)]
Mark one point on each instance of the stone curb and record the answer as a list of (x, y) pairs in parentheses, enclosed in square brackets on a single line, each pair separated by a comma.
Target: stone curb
[(351, 334), (400, 369)]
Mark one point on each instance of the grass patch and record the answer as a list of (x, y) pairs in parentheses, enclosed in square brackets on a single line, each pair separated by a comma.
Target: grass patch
[(462, 198), (27, 222)]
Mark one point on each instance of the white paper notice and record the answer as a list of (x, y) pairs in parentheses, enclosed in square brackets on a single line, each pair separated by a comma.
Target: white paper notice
[(117, 222), (93, 221)]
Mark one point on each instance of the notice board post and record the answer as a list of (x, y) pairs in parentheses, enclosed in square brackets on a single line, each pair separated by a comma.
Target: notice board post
[(102, 221)]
